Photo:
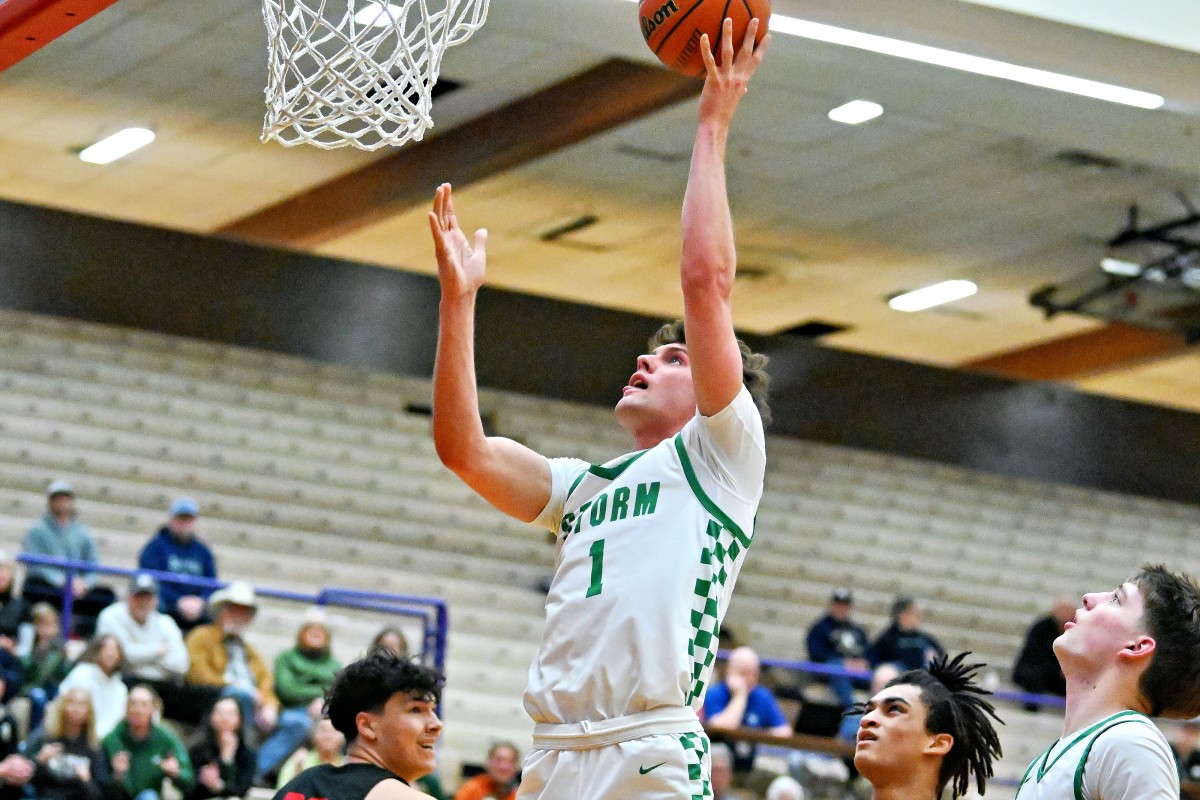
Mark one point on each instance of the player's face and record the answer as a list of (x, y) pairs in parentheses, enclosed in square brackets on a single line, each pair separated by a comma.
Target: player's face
[(407, 731), (892, 738), (1107, 623), (660, 389)]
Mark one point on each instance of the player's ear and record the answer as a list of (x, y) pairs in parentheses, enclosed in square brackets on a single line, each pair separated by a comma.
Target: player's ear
[(1139, 648), (939, 744), (365, 722)]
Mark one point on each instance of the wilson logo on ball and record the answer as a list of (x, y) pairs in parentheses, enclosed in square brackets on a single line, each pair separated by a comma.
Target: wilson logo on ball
[(651, 23)]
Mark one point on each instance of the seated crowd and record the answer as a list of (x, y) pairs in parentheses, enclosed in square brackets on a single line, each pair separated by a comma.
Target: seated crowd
[(165, 665)]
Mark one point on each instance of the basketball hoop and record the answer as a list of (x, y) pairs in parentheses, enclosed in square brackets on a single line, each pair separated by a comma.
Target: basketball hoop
[(350, 72)]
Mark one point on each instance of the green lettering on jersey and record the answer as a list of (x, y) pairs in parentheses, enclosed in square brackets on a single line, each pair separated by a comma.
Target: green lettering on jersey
[(599, 507), (567, 521), (647, 498), (620, 503)]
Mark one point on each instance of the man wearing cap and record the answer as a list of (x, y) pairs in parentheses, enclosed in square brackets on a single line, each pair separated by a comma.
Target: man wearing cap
[(154, 651), (60, 534), (836, 639), (220, 656), (175, 548)]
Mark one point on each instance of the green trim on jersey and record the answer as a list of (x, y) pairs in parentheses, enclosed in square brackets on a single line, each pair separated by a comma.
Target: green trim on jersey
[(1046, 764), (695, 752), (717, 557), (608, 473), (612, 473), (705, 500)]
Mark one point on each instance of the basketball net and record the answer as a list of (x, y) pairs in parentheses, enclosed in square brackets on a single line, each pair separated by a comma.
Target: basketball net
[(351, 72)]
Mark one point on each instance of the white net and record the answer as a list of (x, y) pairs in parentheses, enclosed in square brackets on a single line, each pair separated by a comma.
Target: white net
[(349, 72)]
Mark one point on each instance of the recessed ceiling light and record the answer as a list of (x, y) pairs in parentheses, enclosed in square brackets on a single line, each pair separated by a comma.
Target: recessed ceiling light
[(856, 111), (935, 295), (781, 23), (378, 15), (119, 145), (1115, 266)]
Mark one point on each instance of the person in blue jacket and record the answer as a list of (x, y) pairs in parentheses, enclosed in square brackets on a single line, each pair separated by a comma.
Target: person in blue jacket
[(176, 548)]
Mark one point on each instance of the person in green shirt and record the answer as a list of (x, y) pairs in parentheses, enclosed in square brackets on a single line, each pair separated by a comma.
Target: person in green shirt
[(302, 676), (142, 754)]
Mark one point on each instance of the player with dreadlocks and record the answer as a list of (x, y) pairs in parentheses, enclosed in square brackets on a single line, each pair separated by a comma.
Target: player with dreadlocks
[(925, 729)]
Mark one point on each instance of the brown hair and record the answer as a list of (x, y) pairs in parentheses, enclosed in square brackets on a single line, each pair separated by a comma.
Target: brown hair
[(1171, 684), (754, 365)]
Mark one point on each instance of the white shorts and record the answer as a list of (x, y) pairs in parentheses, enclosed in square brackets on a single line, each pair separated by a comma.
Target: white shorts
[(657, 766)]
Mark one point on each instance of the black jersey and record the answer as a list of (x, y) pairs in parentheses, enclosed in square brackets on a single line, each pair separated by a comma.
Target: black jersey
[(327, 782)]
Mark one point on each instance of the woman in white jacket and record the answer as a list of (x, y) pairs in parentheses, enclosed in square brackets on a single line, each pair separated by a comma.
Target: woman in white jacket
[(99, 673)]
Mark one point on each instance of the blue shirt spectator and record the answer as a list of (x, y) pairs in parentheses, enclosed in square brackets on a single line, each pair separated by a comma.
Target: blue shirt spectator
[(175, 548), (835, 639), (739, 702)]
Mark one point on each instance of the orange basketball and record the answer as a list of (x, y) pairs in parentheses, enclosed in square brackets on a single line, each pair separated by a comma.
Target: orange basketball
[(672, 28)]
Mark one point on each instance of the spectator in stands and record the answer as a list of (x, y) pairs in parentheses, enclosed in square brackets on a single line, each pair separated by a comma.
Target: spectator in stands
[(327, 746), (739, 702), (15, 770), (69, 764), (1186, 749), (60, 534), (904, 643), (176, 548), (154, 650), (720, 758), (393, 639), (926, 729), (1036, 669), (220, 656), (302, 676), (99, 674), (223, 760), (785, 787), (499, 779), (46, 664), (14, 611), (142, 754), (836, 639)]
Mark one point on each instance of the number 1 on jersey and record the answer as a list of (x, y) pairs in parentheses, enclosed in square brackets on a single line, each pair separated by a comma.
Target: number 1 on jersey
[(597, 554)]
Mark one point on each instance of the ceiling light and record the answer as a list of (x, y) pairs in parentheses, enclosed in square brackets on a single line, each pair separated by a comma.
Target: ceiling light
[(935, 295), (1115, 266), (378, 15), (119, 145), (856, 111), (781, 23)]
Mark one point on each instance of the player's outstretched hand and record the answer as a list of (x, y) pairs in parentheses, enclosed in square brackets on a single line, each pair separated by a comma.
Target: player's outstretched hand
[(727, 82), (461, 264)]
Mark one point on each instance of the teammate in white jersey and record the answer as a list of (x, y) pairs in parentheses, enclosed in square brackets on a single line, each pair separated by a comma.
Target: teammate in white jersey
[(1129, 653), (928, 728), (648, 545)]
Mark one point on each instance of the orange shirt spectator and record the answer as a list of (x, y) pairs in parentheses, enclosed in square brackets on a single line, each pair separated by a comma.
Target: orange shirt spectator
[(499, 782)]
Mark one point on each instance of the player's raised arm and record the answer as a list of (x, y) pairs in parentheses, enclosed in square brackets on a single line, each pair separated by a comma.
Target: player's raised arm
[(709, 260), (507, 474)]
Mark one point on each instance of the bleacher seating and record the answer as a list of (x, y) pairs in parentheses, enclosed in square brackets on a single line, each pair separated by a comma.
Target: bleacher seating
[(312, 474)]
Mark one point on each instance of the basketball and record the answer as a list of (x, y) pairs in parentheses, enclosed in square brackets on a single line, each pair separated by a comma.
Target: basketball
[(672, 28)]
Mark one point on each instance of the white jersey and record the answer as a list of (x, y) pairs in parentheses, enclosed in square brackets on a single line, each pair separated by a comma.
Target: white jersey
[(648, 548), (1121, 757)]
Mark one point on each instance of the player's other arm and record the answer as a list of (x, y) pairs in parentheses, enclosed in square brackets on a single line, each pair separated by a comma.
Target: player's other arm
[(508, 475), (709, 260)]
